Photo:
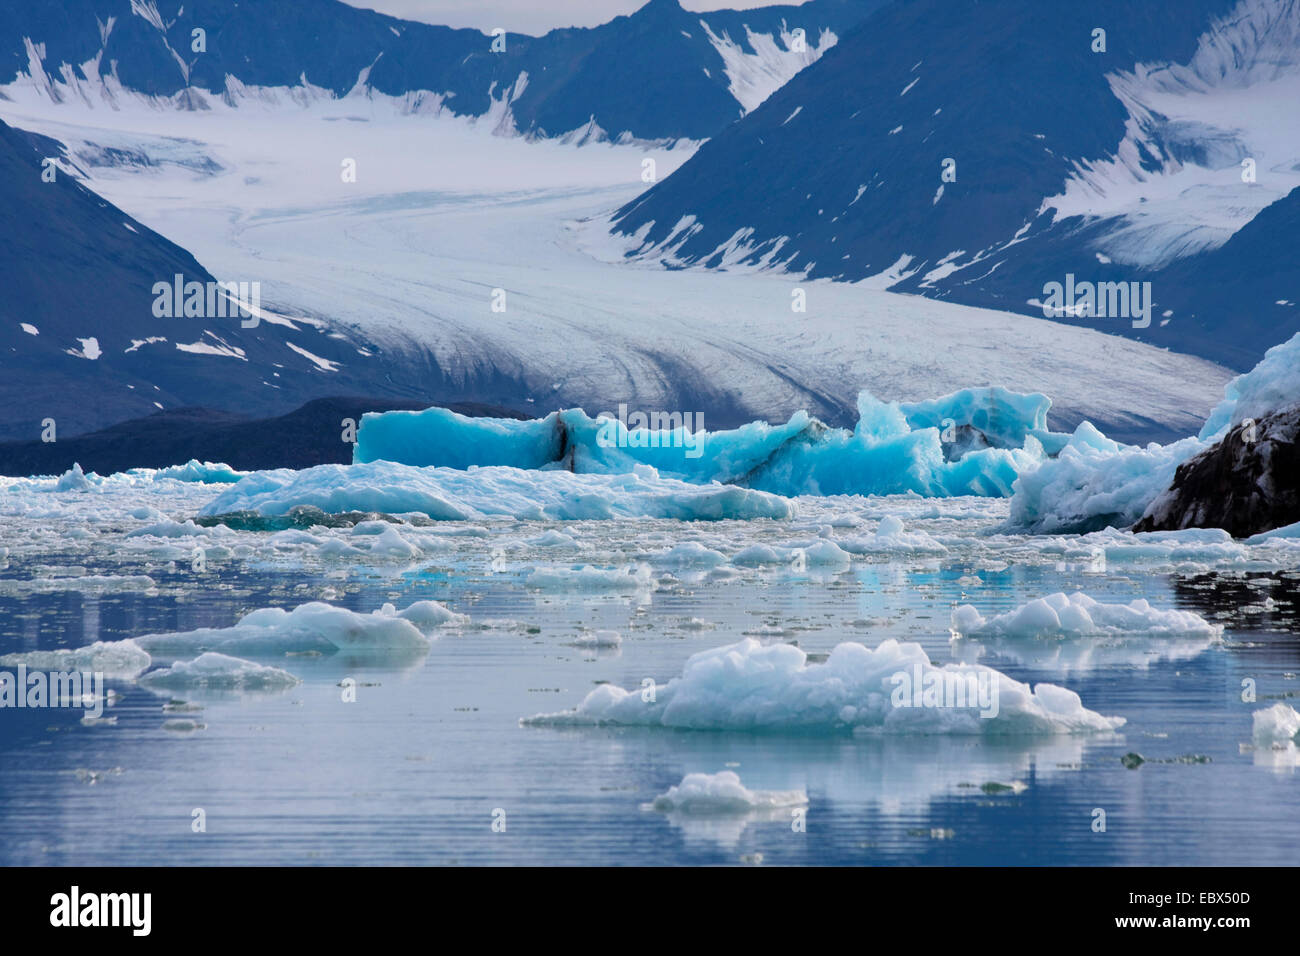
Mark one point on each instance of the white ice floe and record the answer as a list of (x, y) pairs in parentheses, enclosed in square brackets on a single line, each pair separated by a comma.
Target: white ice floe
[(477, 493), (75, 480), (213, 671), (600, 640), (314, 627), (1060, 615), (751, 687), (587, 579), (1287, 533), (689, 554), (202, 472), (723, 793), (1095, 483), (114, 659), (1277, 726), (890, 538)]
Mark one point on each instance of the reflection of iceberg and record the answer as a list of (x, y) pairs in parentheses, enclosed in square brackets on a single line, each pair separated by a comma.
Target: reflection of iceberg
[(721, 794), (1081, 655), (894, 776), (751, 687), (723, 831), (893, 449)]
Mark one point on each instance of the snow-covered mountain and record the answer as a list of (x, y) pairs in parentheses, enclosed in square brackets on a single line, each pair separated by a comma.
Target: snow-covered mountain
[(979, 151), (456, 265), (661, 73), (80, 342)]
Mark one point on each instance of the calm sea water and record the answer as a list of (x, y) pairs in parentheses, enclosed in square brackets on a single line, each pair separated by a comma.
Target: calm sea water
[(414, 771)]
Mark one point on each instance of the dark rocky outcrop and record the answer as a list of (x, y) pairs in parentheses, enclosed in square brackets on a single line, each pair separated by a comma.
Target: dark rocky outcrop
[(1246, 484)]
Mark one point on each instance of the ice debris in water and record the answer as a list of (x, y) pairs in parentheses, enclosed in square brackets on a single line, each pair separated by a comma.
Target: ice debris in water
[(1277, 726), (751, 687), (1061, 615), (721, 793), (213, 671)]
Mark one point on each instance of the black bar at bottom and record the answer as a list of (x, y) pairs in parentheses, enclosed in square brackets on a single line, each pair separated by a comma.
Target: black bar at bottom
[(337, 905)]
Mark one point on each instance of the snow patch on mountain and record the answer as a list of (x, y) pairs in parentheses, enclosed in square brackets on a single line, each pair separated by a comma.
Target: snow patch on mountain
[(1176, 184), (756, 76)]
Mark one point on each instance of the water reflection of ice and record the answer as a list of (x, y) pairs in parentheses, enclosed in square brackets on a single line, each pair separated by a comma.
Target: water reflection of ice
[(1081, 654)]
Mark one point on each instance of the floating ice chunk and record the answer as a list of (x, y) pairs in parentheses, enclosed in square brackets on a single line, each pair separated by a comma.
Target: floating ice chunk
[(213, 671), (587, 578), (382, 538), (449, 494), (552, 539), (74, 479), (751, 687), (1201, 545), (1285, 533), (427, 615), (890, 538), (119, 659), (722, 793), (599, 640), (1271, 385), (438, 436), (1095, 483), (893, 449), (335, 489), (1278, 725), (171, 529), (689, 554), (318, 627), (1004, 417), (200, 472), (757, 555), (823, 554), (1059, 615)]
